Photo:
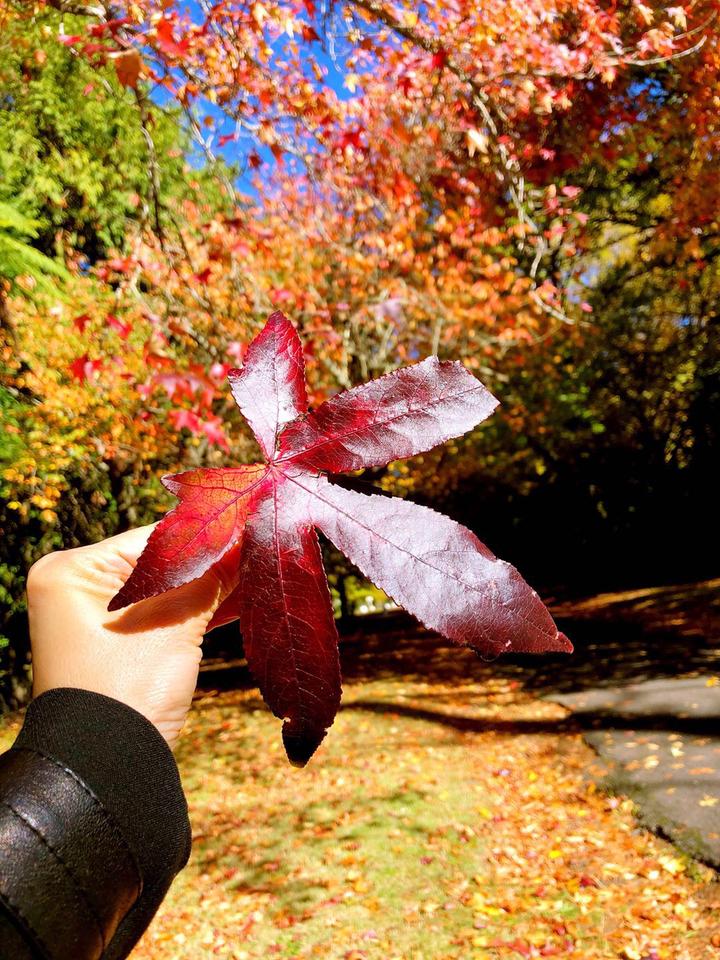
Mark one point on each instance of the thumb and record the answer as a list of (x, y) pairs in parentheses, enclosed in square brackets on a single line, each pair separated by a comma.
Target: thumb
[(192, 603)]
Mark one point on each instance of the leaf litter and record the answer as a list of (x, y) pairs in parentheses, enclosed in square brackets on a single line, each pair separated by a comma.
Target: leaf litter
[(455, 816)]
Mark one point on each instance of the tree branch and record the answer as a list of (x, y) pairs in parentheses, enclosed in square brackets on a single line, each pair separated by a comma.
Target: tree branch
[(98, 9), (495, 120), (153, 163)]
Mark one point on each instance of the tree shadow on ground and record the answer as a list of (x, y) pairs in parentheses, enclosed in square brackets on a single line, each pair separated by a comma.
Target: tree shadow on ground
[(589, 720), (634, 636), (619, 639), (251, 855), (575, 723), (626, 647)]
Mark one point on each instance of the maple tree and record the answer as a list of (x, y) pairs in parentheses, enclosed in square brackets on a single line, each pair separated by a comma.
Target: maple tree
[(435, 568)]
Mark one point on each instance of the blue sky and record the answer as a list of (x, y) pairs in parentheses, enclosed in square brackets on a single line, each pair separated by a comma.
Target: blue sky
[(235, 152)]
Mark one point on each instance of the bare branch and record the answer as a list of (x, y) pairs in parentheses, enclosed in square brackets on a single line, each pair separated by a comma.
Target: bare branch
[(153, 164)]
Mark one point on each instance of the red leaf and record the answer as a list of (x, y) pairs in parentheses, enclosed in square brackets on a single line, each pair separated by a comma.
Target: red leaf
[(351, 138), (405, 84), (167, 43), (417, 556), (404, 413), (158, 362), (109, 26), (310, 34), (122, 329), (433, 566), (270, 388), (213, 430), (287, 622), (121, 264), (185, 419), (207, 522), (128, 66), (84, 368), (439, 59), (92, 49)]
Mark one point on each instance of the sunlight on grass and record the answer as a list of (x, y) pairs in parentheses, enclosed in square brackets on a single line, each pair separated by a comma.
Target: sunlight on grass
[(442, 819), (407, 838)]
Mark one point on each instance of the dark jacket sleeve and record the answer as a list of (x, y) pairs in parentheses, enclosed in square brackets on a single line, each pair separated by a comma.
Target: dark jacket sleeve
[(93, 828)]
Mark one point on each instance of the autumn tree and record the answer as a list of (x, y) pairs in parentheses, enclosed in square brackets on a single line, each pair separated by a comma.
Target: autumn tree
[(526, 186)]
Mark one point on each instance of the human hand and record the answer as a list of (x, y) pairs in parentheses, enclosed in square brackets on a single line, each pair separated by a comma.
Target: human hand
[(146, 656)]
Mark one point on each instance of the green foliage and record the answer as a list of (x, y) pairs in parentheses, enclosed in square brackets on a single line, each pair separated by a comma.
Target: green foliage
[(10, 442), (74, 156), (19, 258), (14, 546), (80, 157)]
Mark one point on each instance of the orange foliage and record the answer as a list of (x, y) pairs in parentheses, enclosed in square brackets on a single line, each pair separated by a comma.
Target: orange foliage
[(432, 203)]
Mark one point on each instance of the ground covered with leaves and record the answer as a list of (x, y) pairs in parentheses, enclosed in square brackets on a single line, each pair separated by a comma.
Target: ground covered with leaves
[(449, 814)]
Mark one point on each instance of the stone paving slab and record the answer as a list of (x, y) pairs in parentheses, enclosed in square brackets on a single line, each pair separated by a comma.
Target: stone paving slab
[(661, 741)]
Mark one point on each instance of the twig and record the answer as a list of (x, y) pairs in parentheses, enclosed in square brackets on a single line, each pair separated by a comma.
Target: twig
[(153, 164)]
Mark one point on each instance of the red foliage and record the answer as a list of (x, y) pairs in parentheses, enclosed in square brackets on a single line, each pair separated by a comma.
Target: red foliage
[(166, 42), (84, 368)]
